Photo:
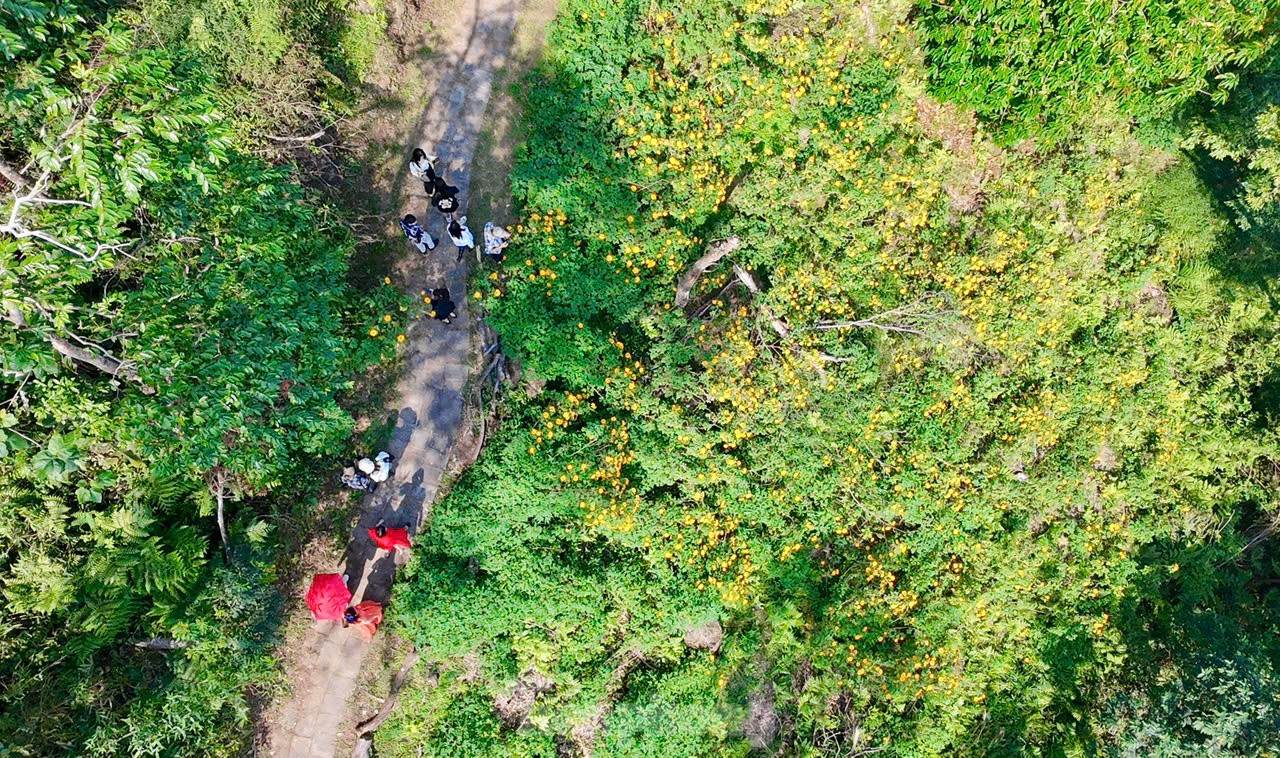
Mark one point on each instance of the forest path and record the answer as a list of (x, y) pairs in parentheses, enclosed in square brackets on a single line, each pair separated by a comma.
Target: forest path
[(429, 393)]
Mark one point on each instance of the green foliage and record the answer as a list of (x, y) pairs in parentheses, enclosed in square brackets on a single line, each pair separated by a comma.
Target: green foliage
[(1241, 138), (1036, 68), (362, 31), (25, 24), (982, 420), (177, 328)]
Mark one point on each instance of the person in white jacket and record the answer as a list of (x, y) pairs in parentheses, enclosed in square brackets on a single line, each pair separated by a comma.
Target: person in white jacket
[(378, 469), (461, 236), (423, 167)]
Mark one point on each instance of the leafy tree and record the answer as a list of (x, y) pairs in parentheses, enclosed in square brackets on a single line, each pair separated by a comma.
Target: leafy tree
[(1037, 68), (178, 332)]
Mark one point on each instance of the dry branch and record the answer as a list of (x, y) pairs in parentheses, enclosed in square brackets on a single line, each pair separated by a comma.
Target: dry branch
[(715, 252), (912, 318), (365, 729)]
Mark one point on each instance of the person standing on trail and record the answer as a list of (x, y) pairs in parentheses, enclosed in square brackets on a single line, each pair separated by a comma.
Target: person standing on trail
[(442, 306), (444, 196), (378, 469), (461, 236), (496, 240), (414, 232), (422, 166)]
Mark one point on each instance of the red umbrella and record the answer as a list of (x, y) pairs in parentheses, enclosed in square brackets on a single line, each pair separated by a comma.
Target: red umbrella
[(328, 597), (394, 538)]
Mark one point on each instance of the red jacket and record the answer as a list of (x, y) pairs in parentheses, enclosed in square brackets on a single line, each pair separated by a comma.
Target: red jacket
[(393, 539)]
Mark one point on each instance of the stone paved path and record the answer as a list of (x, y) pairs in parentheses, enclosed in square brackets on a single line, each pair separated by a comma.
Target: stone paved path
[(430, 390)]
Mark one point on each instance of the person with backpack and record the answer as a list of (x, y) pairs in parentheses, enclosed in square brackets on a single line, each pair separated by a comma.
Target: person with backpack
[(417, 235), (357, 481), (461, 236), (379, 469)]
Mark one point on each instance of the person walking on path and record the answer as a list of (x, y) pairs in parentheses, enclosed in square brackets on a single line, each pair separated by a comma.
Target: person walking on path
[(442, 306), (496, 240), (461, 236), (422, 166), (414, 232)]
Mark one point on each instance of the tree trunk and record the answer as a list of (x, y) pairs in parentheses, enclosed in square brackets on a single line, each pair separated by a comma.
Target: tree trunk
[(714, 253), (107, 363), (217, 485), (365, 729), (12, 175)]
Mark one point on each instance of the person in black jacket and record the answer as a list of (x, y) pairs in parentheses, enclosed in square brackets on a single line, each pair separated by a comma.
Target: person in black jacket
[(442, 306)]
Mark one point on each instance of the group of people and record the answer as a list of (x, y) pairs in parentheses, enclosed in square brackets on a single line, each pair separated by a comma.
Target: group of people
[(367, 615), (368, 473), (444, 198)]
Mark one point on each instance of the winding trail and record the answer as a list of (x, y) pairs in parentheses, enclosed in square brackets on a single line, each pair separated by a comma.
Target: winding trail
[(436, 366)]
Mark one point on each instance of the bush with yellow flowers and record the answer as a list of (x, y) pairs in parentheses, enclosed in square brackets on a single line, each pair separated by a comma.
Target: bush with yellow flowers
[(967, 447)]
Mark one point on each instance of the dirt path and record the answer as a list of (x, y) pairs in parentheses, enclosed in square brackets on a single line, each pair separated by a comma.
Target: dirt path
[(329, 658)]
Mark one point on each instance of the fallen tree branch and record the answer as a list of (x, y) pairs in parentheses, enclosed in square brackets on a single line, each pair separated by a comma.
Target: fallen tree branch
[(308, 138), (365, 729), (583, 736), (104, 362), (714, 253), (906, 319), (864, 324), (161, 644), (749, 282)]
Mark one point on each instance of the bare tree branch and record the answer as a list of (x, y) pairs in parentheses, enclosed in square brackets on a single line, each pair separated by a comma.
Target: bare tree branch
[(15, 227), (161, 644), (714, 253), (368, 727), (308, 138), (217, 480)]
